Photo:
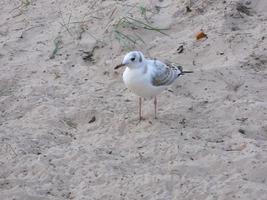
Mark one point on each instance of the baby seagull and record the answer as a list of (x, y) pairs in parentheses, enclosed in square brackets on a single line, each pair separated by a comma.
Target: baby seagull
[(148, 77)]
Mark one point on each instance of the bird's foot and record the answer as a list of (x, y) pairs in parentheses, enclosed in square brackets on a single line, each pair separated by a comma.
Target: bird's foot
[(140, 120)]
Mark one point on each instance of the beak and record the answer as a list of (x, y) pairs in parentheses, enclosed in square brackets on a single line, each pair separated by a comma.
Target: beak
[(119, 66)]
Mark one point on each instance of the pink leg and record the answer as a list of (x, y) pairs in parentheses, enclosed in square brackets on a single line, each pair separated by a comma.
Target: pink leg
[(155, 104), (140, 108)]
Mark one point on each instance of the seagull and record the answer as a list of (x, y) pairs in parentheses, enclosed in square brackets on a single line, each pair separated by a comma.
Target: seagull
[(148, 77)]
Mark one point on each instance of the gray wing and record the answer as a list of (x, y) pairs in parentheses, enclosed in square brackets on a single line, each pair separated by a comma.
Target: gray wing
[(165, 73)]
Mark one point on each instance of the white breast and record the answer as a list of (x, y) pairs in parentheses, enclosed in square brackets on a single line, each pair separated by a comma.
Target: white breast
[(139, 83)]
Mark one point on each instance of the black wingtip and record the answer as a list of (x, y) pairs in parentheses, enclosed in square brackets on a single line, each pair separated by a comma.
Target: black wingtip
[(180, 68)]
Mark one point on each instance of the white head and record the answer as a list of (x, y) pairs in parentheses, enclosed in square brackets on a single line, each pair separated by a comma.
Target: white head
[(132, 59)]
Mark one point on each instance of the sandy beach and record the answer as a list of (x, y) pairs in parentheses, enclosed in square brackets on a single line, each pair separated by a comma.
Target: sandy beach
[(69, 127)]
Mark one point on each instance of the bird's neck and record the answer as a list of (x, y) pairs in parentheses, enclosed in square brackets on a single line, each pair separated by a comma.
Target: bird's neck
[(137, 66), (141, 68)]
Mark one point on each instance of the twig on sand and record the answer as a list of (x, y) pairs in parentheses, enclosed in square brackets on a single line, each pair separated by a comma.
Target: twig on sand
[(66, 25), (57, 43), (23, 4), (132, 39)]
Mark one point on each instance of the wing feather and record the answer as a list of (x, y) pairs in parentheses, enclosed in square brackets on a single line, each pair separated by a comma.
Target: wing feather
[(165, 73)]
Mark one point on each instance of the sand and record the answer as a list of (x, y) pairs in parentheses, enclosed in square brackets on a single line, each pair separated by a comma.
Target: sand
[(69, 129)]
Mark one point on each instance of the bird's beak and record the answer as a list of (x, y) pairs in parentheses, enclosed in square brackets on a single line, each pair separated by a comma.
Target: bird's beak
[(119, 66)]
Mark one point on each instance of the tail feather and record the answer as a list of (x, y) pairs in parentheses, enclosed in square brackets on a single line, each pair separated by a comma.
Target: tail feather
[(187, 72), (177, 67)]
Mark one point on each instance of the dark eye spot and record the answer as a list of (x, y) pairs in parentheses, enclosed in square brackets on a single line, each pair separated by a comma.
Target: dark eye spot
[(132, 59)]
